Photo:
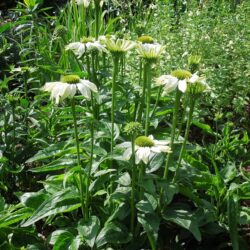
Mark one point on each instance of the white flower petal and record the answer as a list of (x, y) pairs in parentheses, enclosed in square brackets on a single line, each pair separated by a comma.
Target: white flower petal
[(90, 85), (127, 154), (182, 85), (125, 144)]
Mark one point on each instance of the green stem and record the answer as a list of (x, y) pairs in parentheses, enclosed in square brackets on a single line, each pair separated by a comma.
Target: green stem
[(142, 104), (14, 133), (132, 201), (174, 123), (141, 176), (157, 101), (185, 103), (148, 99), (89, 171), (88, 67), (78, 153), (115, 73), (97, 8), (183, 147)]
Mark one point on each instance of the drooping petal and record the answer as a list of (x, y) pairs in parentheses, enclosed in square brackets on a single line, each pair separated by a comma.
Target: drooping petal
[(90, 85), (49, 86), (182, 85), (125, 144), (127, 154)]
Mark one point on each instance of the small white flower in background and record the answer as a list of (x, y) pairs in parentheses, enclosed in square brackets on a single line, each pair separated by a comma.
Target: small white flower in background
[(68, 86), (86, 3), (168, 82), (145, 148), (150, 51), (83, 2), (85, 46)]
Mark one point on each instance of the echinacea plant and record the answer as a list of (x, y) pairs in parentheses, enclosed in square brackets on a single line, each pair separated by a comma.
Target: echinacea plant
[(66, 88), (150, 53), (117, 47)]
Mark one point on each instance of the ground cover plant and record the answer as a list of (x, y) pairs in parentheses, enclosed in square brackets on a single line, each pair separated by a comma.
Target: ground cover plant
[(125, 125)]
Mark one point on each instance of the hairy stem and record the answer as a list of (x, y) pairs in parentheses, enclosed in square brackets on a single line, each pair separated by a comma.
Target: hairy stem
[(183, 147), (78, 153)]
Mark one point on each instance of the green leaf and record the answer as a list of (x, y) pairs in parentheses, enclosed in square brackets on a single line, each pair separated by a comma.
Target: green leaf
[(33, 199), (64, 239), (13, 215), (113, 233), (229, 172), (205, 127), (155, 163), (184, 218), (89, 230), (125, 179), (64, 201), (55, 165), (233, 215), (150, 223)]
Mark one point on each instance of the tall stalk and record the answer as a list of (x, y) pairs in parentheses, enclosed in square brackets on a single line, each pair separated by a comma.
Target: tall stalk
[(89, 170), (192, 100), (78, 153), (142, 104), (97, 19), (174, 124), (132, 200), (148, 97), (115, 73)]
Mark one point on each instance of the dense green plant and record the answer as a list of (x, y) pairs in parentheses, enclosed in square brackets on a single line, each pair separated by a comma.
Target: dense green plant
[(86, 171)]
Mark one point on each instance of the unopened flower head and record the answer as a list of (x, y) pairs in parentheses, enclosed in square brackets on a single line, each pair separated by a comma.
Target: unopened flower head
[(193, 62), (60, 31), (150, 52), (67, 87), (133, 128), (145, 148), (145, 39), (87, 44), (118, 46)]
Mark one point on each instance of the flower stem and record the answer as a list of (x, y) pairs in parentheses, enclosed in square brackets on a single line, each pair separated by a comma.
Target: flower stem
[(183, 115), (174, 123), (14, 133), (157, 101), (183, 147), (89, 171), (78, 153), (115, 73), (132, 201), (148, 98), (141, 106), (97, 9)]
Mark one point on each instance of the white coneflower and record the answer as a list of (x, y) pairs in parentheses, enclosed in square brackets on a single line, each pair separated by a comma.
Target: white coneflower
[(68, 86), (86, 45), (145, 148), (183, 76), (168, 82), (197, 84), (117, 46), (150, 51)]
